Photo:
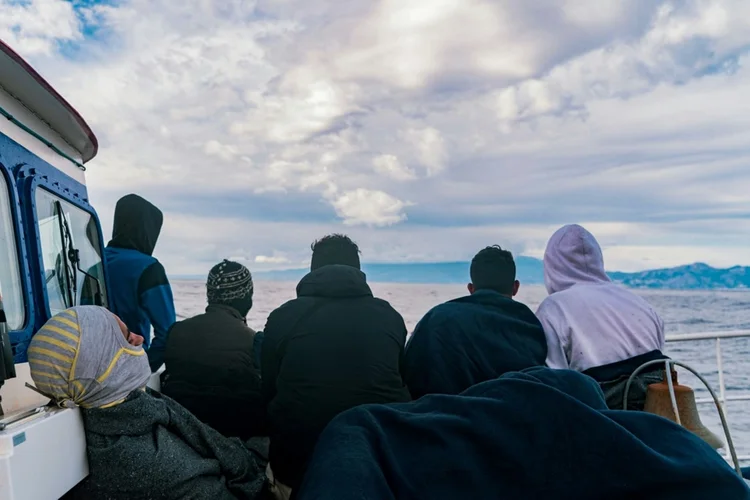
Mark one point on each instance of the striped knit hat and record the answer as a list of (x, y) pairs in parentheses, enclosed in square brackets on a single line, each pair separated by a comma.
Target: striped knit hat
[(228, 282), (80, 357)]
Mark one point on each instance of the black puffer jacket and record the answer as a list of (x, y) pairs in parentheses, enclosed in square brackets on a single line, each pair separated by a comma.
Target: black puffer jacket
[(211, 372), (332, 348)]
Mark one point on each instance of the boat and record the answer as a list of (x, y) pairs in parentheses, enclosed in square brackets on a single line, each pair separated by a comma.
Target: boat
[(50, 248), (50, 253)]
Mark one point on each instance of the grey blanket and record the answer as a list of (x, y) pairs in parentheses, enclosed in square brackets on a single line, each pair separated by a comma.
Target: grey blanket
[(150, 447)]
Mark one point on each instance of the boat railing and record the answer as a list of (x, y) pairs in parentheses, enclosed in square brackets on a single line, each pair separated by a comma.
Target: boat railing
[(717, 337)]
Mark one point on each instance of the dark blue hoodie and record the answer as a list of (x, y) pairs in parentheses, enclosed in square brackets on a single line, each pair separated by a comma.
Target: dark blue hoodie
[(470, 340), (140, 293), (540, 434)]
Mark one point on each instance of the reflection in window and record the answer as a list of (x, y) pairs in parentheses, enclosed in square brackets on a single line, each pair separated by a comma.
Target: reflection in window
[(11, 290), (68, 233)]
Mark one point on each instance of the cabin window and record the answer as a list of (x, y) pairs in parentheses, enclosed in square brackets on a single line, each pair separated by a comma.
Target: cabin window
[(71, 253), (11, 289)]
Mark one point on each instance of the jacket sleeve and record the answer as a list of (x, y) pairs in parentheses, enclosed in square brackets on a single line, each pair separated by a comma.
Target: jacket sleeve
[(549, 316), (415, 367), (269, 358), (258, 349), (155, 298)]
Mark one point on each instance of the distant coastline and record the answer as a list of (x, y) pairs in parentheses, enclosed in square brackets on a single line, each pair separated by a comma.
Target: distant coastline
[(698, 276)]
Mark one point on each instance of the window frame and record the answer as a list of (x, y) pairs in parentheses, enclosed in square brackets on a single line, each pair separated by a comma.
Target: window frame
[(23, 268), (50, 188), (27, 171)]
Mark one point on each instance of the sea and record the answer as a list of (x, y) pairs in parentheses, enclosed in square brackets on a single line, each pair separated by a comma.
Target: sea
[(683, 311)]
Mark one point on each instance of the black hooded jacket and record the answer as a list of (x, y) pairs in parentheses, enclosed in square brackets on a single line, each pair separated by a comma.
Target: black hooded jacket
[(137, 224), (139, 291), (332, 348)]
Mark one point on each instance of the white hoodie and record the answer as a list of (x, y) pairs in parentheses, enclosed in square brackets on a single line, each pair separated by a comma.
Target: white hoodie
[(588, 320)]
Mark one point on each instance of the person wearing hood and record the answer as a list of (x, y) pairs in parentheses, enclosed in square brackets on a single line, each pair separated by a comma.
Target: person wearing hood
[(210, 367), (139, 443), (475, 338), (593, 325), (332, 348), (140, 293), (535, 434)]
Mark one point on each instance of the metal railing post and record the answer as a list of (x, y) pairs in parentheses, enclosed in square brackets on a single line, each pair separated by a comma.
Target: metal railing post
[(720, 366)]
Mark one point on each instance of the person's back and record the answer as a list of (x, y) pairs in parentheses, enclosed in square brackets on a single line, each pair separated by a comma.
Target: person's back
[(139, 444), (475, 338), (210, 368), (140, 292), (333, 348), (593, 325)]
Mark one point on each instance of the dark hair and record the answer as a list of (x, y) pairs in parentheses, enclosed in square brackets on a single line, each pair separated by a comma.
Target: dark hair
[(334, 249), (493, 269)]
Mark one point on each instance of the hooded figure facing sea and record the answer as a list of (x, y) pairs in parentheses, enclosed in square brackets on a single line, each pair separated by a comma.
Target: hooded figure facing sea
[(140, 292), (140, 444), (593, 325)]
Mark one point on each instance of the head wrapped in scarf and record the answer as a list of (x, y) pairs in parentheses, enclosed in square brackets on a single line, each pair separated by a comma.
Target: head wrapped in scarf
[(80, 357), (230, 284)]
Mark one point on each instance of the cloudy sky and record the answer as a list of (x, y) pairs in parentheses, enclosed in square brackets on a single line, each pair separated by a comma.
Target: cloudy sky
[(426, 129)]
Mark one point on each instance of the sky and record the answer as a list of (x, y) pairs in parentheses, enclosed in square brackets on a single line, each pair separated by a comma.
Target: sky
[(424, 129)]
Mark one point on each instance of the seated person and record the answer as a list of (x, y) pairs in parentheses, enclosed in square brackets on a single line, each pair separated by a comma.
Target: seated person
[(595, 326), (140, 444), (475, 338), (210, 360), (536, 434), (332, 348)]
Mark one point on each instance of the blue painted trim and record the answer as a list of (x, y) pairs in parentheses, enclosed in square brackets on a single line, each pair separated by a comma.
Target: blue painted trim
[(31, 172), (15, 213)]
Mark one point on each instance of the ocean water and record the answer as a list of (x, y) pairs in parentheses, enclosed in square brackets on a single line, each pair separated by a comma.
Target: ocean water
[(682, 311)]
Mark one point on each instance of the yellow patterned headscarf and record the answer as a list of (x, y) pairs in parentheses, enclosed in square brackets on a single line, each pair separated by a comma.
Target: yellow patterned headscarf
[(80, 357)]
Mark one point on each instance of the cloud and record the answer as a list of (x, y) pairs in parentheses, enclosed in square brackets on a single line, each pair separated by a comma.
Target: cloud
[(38, 27), (442, 125), (264, 259), (224, 151), (375, 208), (430, 148), (389, 165)]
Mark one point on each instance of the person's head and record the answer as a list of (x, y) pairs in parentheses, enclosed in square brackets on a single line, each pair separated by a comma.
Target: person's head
[(494, 269), (230, 284), (572, 256), (82, 357), (137, 224), (334, 249)]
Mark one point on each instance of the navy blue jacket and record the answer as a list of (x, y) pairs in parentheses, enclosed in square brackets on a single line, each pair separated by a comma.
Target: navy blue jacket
[(535, 435), (470, 340), (139, 291)]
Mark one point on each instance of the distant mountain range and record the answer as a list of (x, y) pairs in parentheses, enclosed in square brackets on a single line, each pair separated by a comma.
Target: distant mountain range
[(531, 271)]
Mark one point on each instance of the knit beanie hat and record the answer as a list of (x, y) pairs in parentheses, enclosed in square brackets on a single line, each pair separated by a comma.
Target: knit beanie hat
[(229, 283)]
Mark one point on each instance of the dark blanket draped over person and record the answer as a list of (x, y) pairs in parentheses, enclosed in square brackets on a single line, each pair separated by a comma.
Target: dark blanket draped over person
[(170, 453), (540, 433), (470, 340)]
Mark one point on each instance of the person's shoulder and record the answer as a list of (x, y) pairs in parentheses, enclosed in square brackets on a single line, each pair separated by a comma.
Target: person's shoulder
[(384, 305), (288, 311), (187, 324), (153, 276)]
